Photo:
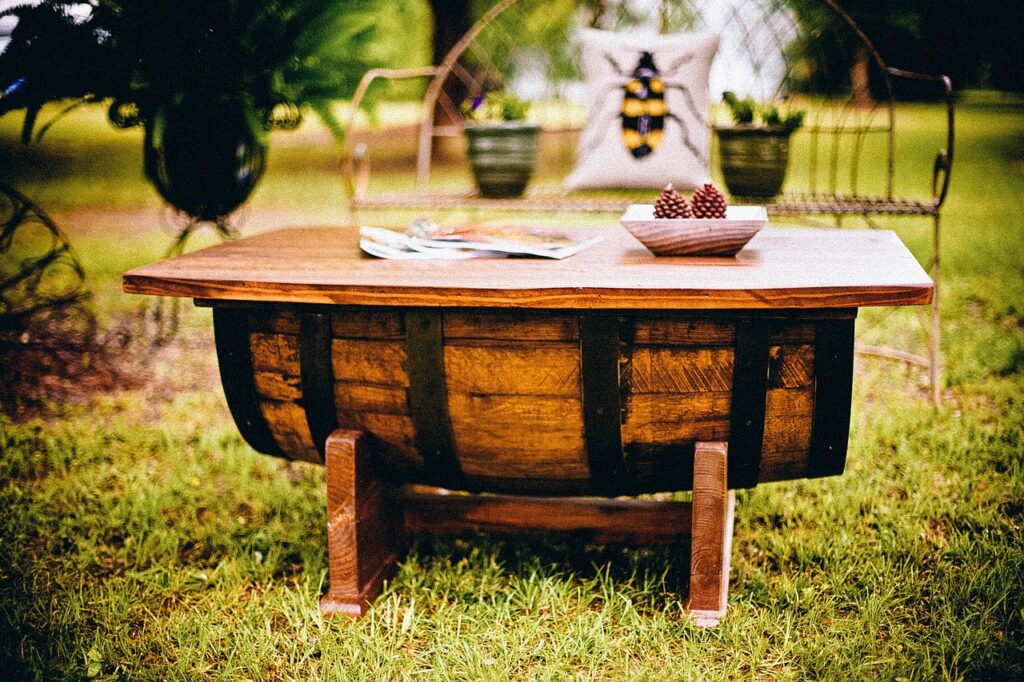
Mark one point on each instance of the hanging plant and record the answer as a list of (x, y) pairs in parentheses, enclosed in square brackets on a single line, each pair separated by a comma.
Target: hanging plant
[(216, 74)]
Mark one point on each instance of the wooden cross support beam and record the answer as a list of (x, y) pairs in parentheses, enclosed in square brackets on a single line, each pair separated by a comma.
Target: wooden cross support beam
[(366, 522)]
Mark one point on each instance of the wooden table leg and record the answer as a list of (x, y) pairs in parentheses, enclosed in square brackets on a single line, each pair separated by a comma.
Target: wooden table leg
[(363, 526), (711, 541)]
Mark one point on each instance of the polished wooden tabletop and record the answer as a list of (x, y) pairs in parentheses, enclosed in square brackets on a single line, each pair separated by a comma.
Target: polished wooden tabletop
[(781, 268)]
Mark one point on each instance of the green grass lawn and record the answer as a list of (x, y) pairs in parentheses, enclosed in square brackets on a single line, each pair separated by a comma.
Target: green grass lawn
[(140, 538)]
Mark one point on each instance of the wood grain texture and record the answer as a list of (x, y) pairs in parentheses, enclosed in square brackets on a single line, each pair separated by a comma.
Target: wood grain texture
[(287, 422), (351, 398), (526, 368), (694, 236), (393, 437), (362, 361), (354, 323), (277, 385), (688, 331), (709, 554), (653, 418), (787, 420), (598, 520), (800, 332), (275, 353), (790, 366), (679, 370), (491, 325), (278, 355), (278, 319), (527, 436), (781, 268), (514, 402), (370, 395), (787, 433), (392, 433), (363, 535), (350, 322), (235, 367)]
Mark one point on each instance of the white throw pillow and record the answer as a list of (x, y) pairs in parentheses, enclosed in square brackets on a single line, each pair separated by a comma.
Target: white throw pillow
[(648, 123)]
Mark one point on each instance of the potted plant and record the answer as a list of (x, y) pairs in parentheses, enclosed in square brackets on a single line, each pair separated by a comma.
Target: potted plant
[(754, 152), (501, 145), (206, 78)]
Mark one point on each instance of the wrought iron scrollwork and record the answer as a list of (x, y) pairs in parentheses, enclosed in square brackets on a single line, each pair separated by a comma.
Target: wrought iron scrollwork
[(47, 326), (39, 273)]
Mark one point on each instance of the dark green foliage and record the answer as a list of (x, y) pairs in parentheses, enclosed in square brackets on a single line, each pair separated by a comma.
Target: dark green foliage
[(975, 43), (148, 52), (747, 112), (496, 106), (828, 46), (742, 110)]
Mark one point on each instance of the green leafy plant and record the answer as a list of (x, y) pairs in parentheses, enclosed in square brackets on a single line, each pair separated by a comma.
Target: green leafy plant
[(139, 54), (747, 112), (495, 106)]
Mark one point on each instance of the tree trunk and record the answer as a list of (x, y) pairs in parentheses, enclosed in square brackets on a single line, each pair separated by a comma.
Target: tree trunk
[(859, 78), (452, 19)]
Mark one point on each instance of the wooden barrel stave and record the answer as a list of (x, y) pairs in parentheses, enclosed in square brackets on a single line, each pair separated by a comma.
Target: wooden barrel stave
[(513, 395), (275, 364), (514, 401)]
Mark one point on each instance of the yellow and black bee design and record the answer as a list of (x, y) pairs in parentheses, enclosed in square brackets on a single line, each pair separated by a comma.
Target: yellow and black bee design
[(644, 108)]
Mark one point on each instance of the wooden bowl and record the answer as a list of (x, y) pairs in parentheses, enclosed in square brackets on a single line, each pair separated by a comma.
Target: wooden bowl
[(694, 236)]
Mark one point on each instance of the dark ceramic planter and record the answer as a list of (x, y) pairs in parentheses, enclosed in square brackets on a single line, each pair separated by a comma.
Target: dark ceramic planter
[(753, 160), (205, 157), (502, 156)]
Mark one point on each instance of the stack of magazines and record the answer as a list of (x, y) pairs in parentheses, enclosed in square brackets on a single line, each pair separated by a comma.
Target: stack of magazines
[(475, 241)]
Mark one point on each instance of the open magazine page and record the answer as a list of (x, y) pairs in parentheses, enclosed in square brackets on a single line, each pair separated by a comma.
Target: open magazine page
[(382, 243), (476, 241), (514, 239)]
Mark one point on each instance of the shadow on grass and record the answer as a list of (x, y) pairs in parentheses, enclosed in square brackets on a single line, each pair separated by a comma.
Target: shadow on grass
[(657, 574)]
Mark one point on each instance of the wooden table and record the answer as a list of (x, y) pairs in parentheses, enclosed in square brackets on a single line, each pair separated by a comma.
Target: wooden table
[(609, 373)]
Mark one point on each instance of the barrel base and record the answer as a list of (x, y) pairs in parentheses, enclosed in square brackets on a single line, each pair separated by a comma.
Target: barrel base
[(366, 523)]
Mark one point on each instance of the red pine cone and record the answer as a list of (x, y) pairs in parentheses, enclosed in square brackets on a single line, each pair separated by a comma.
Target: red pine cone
[(672, 204), (708, 202)]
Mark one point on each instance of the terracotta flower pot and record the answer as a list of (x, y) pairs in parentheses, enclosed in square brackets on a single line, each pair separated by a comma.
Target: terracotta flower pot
[(502, 156), (753, 159)]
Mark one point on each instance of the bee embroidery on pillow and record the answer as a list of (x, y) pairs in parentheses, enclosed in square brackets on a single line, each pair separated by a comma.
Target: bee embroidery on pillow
[(644, 109)]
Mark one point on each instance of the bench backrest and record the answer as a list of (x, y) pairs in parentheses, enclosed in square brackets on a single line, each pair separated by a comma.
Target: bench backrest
[(847, 145)]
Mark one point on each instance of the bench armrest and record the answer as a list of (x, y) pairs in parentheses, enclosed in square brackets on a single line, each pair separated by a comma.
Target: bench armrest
[(944, 157)]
